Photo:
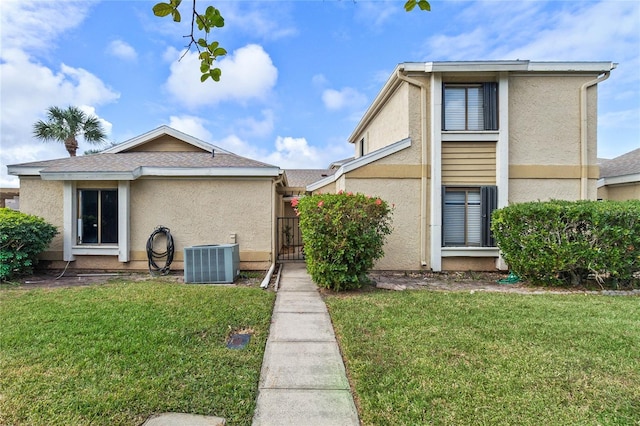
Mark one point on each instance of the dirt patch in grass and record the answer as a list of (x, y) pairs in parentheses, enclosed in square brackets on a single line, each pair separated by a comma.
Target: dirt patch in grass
[(472, 281), (56, 279)]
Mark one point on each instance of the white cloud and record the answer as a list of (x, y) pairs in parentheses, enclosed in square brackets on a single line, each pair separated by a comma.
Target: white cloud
[(259, 128), (27, 89), (319, 80), (240, 147), (347, 97), (377, 12), (259, 21), (289, 152), (191, 125), (30, 25), (247, 74), (123, 50)]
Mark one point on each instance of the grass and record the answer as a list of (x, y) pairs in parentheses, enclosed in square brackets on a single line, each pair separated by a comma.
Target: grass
[(115, 354), (491, 359)]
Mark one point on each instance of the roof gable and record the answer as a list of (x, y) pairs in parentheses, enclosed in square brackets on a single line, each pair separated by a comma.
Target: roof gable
[(164, 139)]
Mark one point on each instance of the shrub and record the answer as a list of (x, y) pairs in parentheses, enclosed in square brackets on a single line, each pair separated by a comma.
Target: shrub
[(22, 238), (562, 242), (343, 236)]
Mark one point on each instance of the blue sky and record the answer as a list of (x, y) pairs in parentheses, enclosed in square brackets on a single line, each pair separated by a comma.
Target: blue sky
[(299, 74)]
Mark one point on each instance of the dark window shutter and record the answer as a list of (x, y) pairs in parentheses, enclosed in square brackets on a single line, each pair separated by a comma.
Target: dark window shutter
[(488, 203), (490, 106)]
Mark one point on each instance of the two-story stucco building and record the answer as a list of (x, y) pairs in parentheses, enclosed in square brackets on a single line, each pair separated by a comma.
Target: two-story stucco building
[(448, 142)]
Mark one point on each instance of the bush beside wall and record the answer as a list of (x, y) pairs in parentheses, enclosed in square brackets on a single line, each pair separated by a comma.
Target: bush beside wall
[(22, 238), (563, 242), (343, 236)]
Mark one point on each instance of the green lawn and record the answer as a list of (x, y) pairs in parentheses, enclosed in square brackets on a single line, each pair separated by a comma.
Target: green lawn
[(419, 357), (115, 354)]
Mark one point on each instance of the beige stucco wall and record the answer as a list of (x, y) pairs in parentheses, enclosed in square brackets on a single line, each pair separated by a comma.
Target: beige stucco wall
[(44, 199), (391, 123), (402, 248), (622, 192), (544, 137), (197, 211), (204, 211)]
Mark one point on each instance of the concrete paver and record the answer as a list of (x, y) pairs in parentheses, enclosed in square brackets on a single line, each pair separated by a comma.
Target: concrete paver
[(182, 419), (307, 327), (294, 302), (301, 407), (303, 380), (308, 365)]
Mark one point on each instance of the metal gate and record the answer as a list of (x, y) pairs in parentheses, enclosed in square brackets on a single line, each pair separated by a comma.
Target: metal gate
[(289, 240)]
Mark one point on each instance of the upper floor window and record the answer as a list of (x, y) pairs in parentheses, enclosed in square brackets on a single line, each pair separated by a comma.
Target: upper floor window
[(471, 107), (98, 216)]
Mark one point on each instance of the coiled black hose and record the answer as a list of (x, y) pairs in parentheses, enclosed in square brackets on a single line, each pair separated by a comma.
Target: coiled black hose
[(153, 255)]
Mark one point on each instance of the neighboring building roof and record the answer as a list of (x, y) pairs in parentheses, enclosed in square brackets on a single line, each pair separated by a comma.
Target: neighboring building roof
[(622, 169), (361, 162), (625, 164), (337, 164), (300, 178), (118, 164)]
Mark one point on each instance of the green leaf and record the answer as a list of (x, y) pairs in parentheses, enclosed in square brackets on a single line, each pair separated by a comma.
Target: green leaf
[(215, 74), (219, 52), (176, 15), (204, 67), (424, 5), (202, 42), (203, 78), (162, 9)]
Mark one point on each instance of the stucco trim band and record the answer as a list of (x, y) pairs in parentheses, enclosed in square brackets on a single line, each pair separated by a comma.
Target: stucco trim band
[(551, 172), (388, 171)]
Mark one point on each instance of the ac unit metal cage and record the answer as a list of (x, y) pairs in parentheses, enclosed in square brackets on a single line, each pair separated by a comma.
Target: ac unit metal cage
[(215, 263)]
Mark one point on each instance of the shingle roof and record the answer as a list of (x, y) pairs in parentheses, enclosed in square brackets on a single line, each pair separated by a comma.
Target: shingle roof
[(626, 164), (129, 161), (300, 178)]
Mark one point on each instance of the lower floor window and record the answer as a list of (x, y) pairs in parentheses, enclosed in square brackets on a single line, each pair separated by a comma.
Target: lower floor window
[(466, 216), (98, 216)]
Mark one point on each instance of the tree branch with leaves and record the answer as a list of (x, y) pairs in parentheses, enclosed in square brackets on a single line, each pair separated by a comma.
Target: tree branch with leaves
[(209, 52)]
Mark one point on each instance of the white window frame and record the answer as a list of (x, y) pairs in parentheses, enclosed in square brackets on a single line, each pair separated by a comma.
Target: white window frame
[(70, 226)]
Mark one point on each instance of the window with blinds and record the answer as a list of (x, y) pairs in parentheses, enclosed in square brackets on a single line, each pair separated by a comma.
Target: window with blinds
[(466, 216), (472, 107)]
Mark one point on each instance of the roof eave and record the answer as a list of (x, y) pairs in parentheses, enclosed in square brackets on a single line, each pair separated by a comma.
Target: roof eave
[(618, 180), (24, 170), (360, 162), (164, 172)]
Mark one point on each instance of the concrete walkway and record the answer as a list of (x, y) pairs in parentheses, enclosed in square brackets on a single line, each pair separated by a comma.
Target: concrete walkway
[(303, 380)]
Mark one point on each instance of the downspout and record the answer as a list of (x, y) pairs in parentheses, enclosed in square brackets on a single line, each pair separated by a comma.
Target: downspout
[(423, 164), (584, 142), (274, 249)]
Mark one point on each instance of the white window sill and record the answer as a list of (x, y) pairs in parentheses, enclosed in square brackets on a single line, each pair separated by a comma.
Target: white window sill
[(470, 252), (95, 250), (468, 135)]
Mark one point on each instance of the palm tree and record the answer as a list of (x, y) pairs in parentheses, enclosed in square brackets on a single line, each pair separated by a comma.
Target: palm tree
[(63, 125)]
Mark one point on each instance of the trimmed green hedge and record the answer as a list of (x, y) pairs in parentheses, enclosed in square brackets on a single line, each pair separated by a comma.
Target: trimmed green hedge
[(343, 236), (563, 242), (22, 238)]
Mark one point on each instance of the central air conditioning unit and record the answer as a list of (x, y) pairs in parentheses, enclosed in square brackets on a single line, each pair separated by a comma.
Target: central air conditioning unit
[(216, 263)]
